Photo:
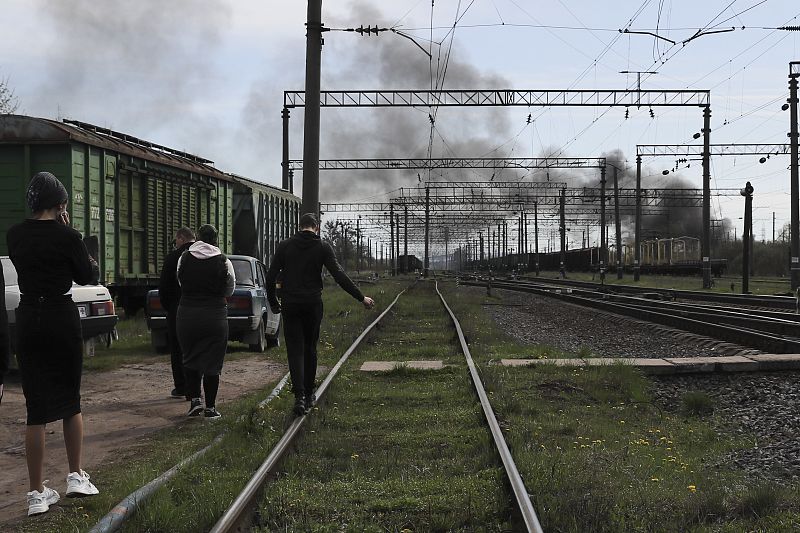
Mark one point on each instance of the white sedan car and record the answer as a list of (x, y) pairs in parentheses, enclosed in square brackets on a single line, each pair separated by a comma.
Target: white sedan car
[(96, 308)]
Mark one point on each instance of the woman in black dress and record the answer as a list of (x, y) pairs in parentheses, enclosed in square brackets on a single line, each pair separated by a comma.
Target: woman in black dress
[(206, 277), (49, 255)]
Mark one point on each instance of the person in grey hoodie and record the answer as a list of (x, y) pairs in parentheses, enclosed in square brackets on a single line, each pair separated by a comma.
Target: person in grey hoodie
[(299, 260), (206, 277)]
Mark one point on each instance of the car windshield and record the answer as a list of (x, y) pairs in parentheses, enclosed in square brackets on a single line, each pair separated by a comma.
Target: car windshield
[(9, 272), (243, 271)]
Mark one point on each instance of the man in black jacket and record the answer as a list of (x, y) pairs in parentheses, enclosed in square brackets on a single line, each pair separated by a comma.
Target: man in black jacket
[(299, 260), (169, 291)]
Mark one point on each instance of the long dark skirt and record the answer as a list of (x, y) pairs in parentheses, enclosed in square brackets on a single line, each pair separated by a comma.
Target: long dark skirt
[(203, 336), (50, 357)]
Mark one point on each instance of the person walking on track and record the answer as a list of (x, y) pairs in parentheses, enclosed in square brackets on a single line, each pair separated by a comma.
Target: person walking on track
[(169, 292), (299, 260), (49, 255), (206, 277)]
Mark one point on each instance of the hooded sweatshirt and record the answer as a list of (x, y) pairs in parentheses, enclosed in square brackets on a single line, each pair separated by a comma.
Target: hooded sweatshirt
[(205, 275), (4, 338), (300, 260)]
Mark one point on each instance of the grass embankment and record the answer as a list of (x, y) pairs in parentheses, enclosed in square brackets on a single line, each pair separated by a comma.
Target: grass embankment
[(762, 286), (597, 455), (197, 496), (403, 450)]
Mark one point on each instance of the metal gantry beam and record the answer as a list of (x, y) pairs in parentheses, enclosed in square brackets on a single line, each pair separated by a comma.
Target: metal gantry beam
[(454, 162), (503, 97), (694, 150)]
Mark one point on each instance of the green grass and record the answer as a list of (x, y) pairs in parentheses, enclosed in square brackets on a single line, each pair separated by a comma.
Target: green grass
[(407, 449), (402, 449), (598, 455)]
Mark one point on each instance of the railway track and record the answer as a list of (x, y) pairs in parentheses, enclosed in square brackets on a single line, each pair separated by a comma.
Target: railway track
[(246, 511), (768, 302), (772, 331)]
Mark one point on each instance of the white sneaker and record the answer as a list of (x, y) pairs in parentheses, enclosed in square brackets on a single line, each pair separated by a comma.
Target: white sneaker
[(40, 502), (78, 485)]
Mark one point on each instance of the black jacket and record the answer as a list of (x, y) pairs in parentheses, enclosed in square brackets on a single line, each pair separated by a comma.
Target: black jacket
[(4, 340), (169, 291), (300, 260)]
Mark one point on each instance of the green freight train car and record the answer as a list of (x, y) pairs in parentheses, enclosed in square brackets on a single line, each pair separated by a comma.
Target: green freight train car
[(128, 196), (262, 217)]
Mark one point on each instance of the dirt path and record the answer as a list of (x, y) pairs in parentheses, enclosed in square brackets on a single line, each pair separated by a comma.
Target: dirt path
[(119, 407)]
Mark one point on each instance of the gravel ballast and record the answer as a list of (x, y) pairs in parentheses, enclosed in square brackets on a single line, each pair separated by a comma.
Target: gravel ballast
[(572, 329)]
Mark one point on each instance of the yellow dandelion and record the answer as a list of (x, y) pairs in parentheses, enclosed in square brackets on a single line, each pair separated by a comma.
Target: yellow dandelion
[(692, 488)]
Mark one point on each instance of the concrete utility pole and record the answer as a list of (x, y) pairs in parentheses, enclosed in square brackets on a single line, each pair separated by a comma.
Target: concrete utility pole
[(286, 183), (446, 236), (391, 239), (358, 244), (397, 242), (603, 254), (405, 240), (706, 244), (618, 225), (427, 229), (314, 31), (562, 231), (536, 236), (525, 256), (747, 237), (637, 251), (344, 253), (794, 73)]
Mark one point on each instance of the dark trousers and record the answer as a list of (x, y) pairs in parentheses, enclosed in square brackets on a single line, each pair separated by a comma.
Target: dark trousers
[(301, 332), (176, 354), (210, 386)]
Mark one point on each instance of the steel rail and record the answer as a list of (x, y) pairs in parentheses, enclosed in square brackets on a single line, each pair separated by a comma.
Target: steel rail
[(115, 518), (774, 302), (520, 492), (235, 513), (739, 335), (742, 318)]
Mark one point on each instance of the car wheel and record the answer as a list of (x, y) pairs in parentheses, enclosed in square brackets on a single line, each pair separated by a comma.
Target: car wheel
[(273, 341), (261, 345)]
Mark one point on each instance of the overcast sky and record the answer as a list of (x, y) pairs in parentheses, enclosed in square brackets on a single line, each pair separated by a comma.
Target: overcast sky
[(207, 76)]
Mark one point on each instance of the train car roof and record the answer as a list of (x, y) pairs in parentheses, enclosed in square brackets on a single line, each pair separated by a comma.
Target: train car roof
[(21, 129), (252, 184)]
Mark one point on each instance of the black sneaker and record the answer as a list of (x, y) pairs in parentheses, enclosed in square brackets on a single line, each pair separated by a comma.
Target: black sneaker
[(310, 401), (177, 393), (299, 407), (211, 412), (196, 408)]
